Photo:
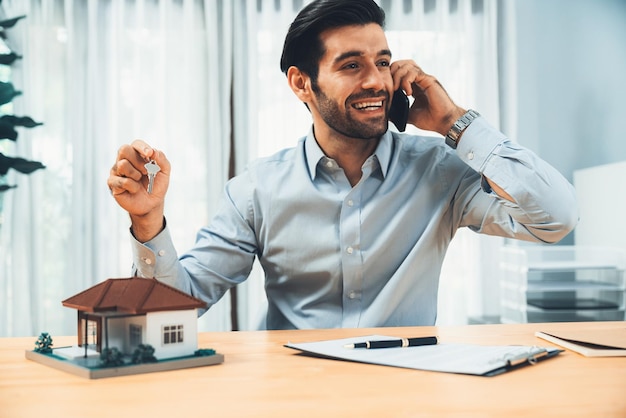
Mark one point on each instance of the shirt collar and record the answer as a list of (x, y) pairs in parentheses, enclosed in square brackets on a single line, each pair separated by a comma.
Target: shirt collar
[(314, 153)]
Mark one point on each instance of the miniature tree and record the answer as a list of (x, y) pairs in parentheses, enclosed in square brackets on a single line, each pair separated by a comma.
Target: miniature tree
[(43, 344), (144, 353), (111, 357)]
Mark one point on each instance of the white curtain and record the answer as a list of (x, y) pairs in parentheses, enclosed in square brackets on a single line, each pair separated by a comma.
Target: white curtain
[(100, 73)]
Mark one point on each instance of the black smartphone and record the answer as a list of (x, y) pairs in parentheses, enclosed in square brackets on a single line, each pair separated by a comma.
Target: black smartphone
[(399, 110)]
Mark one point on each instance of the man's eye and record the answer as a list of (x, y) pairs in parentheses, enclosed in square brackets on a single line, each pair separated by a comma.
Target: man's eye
[(384, 63), (351, 66)]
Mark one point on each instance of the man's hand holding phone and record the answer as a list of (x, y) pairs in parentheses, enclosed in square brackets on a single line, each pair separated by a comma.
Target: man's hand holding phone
[(432, 108)]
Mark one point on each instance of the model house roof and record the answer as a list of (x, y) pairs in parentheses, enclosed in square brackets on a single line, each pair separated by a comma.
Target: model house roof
[(133, 295)]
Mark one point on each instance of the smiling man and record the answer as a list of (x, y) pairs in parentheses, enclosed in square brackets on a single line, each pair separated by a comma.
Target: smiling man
[(351, 226), (349, 98)]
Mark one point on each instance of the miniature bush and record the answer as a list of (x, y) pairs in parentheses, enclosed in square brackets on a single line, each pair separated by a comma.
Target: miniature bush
[(204, 352), (144, 353), (111, 357), (44, 343)]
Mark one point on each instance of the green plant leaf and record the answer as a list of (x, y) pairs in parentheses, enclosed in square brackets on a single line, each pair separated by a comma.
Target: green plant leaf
[(19, 164), (5, 187), (8, 59), (24, 121), (9, 23), (7, 92), (7, 131)]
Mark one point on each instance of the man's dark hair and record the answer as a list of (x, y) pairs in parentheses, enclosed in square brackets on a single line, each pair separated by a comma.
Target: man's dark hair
[(303, 47)]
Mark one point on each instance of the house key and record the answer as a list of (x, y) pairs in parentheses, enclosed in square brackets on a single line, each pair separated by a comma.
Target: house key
[(152, 168)]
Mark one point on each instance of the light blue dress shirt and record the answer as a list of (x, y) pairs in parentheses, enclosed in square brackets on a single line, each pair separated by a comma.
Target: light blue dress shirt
[(369, 255)]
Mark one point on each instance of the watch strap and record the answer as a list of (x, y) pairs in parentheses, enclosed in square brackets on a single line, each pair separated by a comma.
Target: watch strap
[(458, 127)]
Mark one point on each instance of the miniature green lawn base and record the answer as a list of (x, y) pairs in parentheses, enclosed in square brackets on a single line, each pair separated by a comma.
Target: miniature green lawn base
[(82, 368), (112, 363)]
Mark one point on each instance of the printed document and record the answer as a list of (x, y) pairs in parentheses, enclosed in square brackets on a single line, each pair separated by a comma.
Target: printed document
[(444, 357)]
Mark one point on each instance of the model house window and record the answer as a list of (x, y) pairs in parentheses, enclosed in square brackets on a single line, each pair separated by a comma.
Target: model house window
[(172, 334), (134, 334)]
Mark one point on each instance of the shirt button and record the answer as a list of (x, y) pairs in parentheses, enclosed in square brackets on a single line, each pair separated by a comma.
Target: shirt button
[(147, 260), (162, 253), (470, 155), (350, 203), (329, 164), (352, 295), (350, 250)]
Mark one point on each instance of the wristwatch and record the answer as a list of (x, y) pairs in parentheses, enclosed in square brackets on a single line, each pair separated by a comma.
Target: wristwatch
[(461, 124)]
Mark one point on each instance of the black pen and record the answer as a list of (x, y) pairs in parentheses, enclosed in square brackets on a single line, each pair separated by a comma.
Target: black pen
[(402, 342)]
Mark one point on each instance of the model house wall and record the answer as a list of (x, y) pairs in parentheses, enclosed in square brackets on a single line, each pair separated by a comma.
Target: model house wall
[(127, 332), (155, 328)]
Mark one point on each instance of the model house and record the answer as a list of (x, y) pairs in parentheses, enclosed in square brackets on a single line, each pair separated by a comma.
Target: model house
[(124, 313)]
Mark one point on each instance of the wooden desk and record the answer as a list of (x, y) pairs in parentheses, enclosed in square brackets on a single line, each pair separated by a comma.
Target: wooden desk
[(261, 378)]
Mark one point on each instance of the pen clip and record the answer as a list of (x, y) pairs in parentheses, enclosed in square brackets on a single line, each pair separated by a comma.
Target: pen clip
[(531, 357)]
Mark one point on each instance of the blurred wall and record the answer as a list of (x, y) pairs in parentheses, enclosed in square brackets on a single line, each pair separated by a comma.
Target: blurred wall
[(570, 62)]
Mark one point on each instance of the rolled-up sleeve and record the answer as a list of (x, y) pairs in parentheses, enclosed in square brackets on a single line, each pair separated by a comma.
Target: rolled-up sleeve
[(544, 201)]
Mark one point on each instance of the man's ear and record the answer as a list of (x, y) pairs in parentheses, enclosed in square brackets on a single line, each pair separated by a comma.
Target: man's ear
[(300, 83)]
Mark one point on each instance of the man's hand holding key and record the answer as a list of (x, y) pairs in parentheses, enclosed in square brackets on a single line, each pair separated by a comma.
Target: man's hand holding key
[(137, 188)]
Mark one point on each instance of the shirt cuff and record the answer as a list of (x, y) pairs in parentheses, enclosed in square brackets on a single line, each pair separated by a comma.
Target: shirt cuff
[(478, 143), (155, 257)]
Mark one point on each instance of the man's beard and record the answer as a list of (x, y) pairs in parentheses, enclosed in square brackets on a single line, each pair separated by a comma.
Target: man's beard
[(340, 120)]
